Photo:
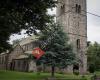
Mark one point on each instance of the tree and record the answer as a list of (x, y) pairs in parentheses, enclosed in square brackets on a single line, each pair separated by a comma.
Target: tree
[(58, 51), (94, 56), (16, 15)]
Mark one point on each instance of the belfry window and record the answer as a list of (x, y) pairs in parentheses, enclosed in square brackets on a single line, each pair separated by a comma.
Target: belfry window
[(78, 43), (78, 8), (62, 9)]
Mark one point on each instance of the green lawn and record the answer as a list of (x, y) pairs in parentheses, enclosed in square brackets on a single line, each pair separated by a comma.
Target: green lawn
[(12, 75)]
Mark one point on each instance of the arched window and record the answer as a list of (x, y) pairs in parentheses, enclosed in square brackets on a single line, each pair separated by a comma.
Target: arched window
[(62, 9), (78, 43), (78, 8)]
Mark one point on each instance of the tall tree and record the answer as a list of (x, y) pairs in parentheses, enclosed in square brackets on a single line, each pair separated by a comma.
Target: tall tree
[(16, 15), (94, 55), (55, 43)]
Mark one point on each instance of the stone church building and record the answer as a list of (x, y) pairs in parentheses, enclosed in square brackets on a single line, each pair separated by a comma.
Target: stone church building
[(71, 14), (18, 58)]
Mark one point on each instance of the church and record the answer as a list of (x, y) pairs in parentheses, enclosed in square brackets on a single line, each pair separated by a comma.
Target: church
[(71, 14)]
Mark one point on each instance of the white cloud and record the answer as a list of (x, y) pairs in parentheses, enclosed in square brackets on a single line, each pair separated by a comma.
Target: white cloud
[(93, 33), (93, 22), (16, 36)]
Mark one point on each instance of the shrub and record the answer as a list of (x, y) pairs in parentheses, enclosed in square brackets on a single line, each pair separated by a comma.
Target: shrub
[(76, 72), (91, 68)]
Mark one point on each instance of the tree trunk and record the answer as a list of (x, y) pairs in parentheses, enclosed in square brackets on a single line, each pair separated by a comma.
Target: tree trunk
[(53, 71)]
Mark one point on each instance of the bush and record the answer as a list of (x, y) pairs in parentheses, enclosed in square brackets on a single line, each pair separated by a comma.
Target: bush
[(60, 72), (76, 72), (91, 68), (93, 77), (83, 76)]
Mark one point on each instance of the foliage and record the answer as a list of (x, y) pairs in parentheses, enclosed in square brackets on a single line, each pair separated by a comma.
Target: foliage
[(59, 52), (91, 68), (76, 72), (94, 56), (16, 15)]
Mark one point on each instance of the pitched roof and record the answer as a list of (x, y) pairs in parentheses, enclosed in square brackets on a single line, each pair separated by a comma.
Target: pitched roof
[(22, 57), (28, 40)]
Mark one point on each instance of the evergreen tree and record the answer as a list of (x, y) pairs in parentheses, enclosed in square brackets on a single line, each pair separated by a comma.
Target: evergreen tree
[(58, 50)]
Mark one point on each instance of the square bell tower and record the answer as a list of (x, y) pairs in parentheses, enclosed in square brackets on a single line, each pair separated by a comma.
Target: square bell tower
[(71, 14)]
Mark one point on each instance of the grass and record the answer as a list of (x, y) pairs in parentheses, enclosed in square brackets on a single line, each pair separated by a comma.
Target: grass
[(97, 73), (12, 75)]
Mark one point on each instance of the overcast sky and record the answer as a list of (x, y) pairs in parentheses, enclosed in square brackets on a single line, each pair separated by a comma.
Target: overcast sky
[(93, 22)]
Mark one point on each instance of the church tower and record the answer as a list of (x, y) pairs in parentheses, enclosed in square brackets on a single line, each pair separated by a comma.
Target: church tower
[(71, 14)]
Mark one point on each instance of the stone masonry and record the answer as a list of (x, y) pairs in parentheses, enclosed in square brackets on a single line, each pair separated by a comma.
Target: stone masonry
[(71, 14)]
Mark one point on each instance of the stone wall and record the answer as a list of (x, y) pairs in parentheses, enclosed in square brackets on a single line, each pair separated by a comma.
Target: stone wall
[(17, 51), (3, 61), (71, 14)]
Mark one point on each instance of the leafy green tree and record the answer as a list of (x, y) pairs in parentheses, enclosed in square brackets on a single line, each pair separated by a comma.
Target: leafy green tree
[(94, 56), (16, 15), (58, 50)]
